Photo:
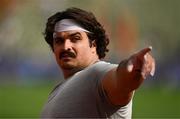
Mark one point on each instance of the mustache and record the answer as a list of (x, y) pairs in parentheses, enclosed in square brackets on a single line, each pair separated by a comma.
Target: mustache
[(67, 54)]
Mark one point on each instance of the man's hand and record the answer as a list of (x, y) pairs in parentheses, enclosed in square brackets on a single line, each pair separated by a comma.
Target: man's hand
[(121, 82), (135, 69), (143, 62)]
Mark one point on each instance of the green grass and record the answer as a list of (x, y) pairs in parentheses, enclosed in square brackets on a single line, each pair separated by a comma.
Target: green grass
[(156, 103), (22, 101), (17, 101)]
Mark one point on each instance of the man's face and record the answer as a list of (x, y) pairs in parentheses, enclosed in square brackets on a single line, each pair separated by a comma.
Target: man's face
[(72, 49)]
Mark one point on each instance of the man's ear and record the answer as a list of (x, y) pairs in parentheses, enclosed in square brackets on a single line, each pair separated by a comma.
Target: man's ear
[(93, 46), (93, 43)]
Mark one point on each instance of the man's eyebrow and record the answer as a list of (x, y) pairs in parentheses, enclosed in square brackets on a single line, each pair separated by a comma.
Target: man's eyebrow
[(76, 33), (58, 37), (69, 35)]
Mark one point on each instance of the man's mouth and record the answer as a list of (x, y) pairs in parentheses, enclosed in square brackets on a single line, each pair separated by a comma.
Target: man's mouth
[(67, 55)]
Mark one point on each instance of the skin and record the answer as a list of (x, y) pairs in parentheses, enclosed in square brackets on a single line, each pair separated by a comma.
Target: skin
[(73, 53), (120, 83)]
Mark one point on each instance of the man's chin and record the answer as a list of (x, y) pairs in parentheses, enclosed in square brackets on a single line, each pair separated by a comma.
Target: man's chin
[(67, 66)]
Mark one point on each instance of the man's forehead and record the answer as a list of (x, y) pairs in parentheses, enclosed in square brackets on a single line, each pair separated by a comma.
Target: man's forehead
[(67, 33)]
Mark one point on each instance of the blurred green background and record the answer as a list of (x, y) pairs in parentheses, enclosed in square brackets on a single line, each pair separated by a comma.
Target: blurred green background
[(28, 70)]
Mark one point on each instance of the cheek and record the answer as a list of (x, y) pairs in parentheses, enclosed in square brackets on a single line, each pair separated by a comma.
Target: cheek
[(56, 54), (85, 53), (83, 50)]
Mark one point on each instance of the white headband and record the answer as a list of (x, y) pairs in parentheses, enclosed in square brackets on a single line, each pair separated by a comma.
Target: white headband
[(68, 25)]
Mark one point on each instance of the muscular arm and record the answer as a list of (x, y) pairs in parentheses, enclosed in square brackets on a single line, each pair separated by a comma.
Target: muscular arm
[(120, 82)]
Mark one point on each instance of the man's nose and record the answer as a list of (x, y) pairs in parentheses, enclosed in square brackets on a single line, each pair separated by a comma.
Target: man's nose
[(67, 44)]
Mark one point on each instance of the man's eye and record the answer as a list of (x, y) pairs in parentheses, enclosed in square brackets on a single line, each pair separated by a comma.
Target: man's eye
[(58, 40), (75, 38)]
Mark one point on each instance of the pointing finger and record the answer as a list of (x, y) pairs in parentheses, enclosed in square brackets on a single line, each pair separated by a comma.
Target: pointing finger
[(144, 51), (137, 60)]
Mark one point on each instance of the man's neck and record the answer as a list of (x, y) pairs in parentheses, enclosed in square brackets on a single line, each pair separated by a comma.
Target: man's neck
[(70, 72)]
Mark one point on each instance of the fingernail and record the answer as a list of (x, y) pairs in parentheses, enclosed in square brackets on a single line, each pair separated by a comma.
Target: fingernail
[(145, 57), (130, 66), (150, 47)]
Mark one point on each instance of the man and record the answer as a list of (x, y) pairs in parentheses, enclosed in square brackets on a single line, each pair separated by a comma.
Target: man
[(92, 88)]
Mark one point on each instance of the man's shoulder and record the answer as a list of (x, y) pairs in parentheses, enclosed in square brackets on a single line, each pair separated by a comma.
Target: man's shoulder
[(102, 66), (94, 71), (99, 68)]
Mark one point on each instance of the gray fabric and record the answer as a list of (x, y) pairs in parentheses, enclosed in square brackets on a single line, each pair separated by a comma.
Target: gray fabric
[(82, 96)]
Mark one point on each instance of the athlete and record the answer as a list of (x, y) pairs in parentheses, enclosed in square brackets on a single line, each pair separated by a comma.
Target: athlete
[(92, 87)]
